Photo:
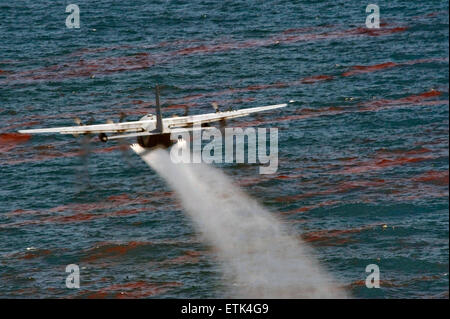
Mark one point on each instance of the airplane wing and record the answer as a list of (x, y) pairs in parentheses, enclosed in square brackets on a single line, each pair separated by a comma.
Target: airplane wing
[(187, 121), (136, 126)]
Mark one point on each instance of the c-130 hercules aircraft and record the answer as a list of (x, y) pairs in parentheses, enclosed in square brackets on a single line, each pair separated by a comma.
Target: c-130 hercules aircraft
[(153, 130)]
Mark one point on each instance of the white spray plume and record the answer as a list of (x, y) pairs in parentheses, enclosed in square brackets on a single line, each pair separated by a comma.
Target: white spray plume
[(260, 259)]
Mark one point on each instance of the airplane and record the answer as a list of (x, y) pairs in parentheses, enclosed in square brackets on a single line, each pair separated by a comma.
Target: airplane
[(152, 130)]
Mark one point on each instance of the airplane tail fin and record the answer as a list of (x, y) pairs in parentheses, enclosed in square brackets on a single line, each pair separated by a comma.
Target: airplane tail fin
[(159, 126)]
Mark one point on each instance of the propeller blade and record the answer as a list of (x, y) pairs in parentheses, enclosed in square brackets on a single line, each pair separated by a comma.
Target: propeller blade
[(84, 152), (91, 121), (123, 145), (122, 117), (215, 106), (223, 123)]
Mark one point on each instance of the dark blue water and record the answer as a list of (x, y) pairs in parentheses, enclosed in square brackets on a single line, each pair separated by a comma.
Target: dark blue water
[(363, 172)]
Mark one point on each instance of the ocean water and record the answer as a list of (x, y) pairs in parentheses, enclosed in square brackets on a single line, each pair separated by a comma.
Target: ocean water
[(363, 149)]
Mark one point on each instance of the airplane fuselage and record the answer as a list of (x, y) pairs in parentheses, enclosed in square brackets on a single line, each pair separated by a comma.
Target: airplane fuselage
[(150, 141)]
